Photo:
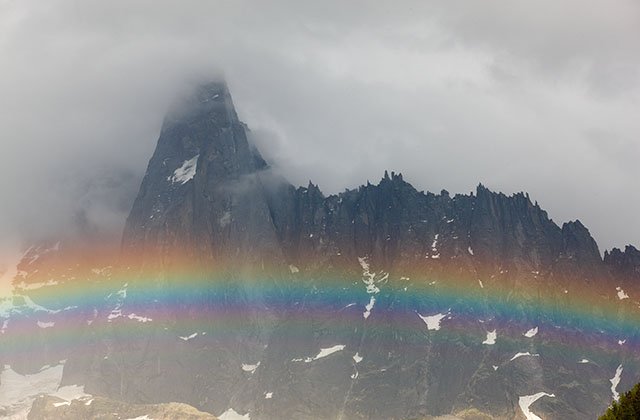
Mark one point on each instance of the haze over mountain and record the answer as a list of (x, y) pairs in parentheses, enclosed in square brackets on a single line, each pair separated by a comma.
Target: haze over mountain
[(242, 295), (540, 97)]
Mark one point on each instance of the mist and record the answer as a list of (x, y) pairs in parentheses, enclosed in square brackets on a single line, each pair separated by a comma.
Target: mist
[(539, 97)]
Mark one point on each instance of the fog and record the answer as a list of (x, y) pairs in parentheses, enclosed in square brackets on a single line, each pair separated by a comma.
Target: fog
[(521, 96)]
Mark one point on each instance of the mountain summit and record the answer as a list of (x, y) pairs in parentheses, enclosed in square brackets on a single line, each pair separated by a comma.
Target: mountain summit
[(202, 189)]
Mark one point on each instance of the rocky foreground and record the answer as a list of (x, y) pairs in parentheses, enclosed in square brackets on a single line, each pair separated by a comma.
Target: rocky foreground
[(53, 408)]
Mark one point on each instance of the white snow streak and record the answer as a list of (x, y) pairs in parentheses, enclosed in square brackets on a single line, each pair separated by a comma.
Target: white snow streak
[(531, 333), (525, 402), (491, 338), (614, 383), (369, 307), (523, 354), (187, 338), (434, 244), (250, 368), (328, 351), (368, 279), (186, 172), (139, 318)]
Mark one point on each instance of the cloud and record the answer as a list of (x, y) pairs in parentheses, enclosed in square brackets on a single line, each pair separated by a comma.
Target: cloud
[(518, 95)]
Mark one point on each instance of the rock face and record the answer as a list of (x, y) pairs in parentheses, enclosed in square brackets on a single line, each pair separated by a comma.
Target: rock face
[(231, 207), (382, 302), (624, 264), (202, 189)]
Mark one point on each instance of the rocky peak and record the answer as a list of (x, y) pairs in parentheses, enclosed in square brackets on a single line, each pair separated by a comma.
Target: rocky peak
[(511, 228), (202, 190), (624, 263), (579, 244)]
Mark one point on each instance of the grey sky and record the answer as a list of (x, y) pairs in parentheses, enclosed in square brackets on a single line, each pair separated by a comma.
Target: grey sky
[(537, 96)]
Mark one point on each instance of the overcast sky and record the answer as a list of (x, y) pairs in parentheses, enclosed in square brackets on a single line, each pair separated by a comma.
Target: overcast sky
[(541, 96)]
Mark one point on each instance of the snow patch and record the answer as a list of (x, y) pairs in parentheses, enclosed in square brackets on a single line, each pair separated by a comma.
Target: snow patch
[(517, 355), (531, 333), (34, 286), (46, 324), (621, 293), (614, 383), (30, 304), (268, 395), (189, 337), (293, 269), (231, 414), (433, 321), (116, 313), (434, 244), (138, 318), (250, 368), (324, 352), (17, 392), (225, 220), (186, 172), (369, 279), (328, 351), (481, 284), (583, 361), (491, 338), (357, 358), (123, 291), (369, 307), (470, 250), (70, 392), (525, 402)]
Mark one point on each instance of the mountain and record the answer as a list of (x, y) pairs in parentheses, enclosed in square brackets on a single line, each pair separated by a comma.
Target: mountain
[(238, 292)]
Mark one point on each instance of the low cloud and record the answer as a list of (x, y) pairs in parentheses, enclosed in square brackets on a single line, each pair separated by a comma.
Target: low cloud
[(528, 96)]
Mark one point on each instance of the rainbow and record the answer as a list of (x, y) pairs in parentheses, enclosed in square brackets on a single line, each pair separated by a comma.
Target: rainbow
[(70, 306)]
